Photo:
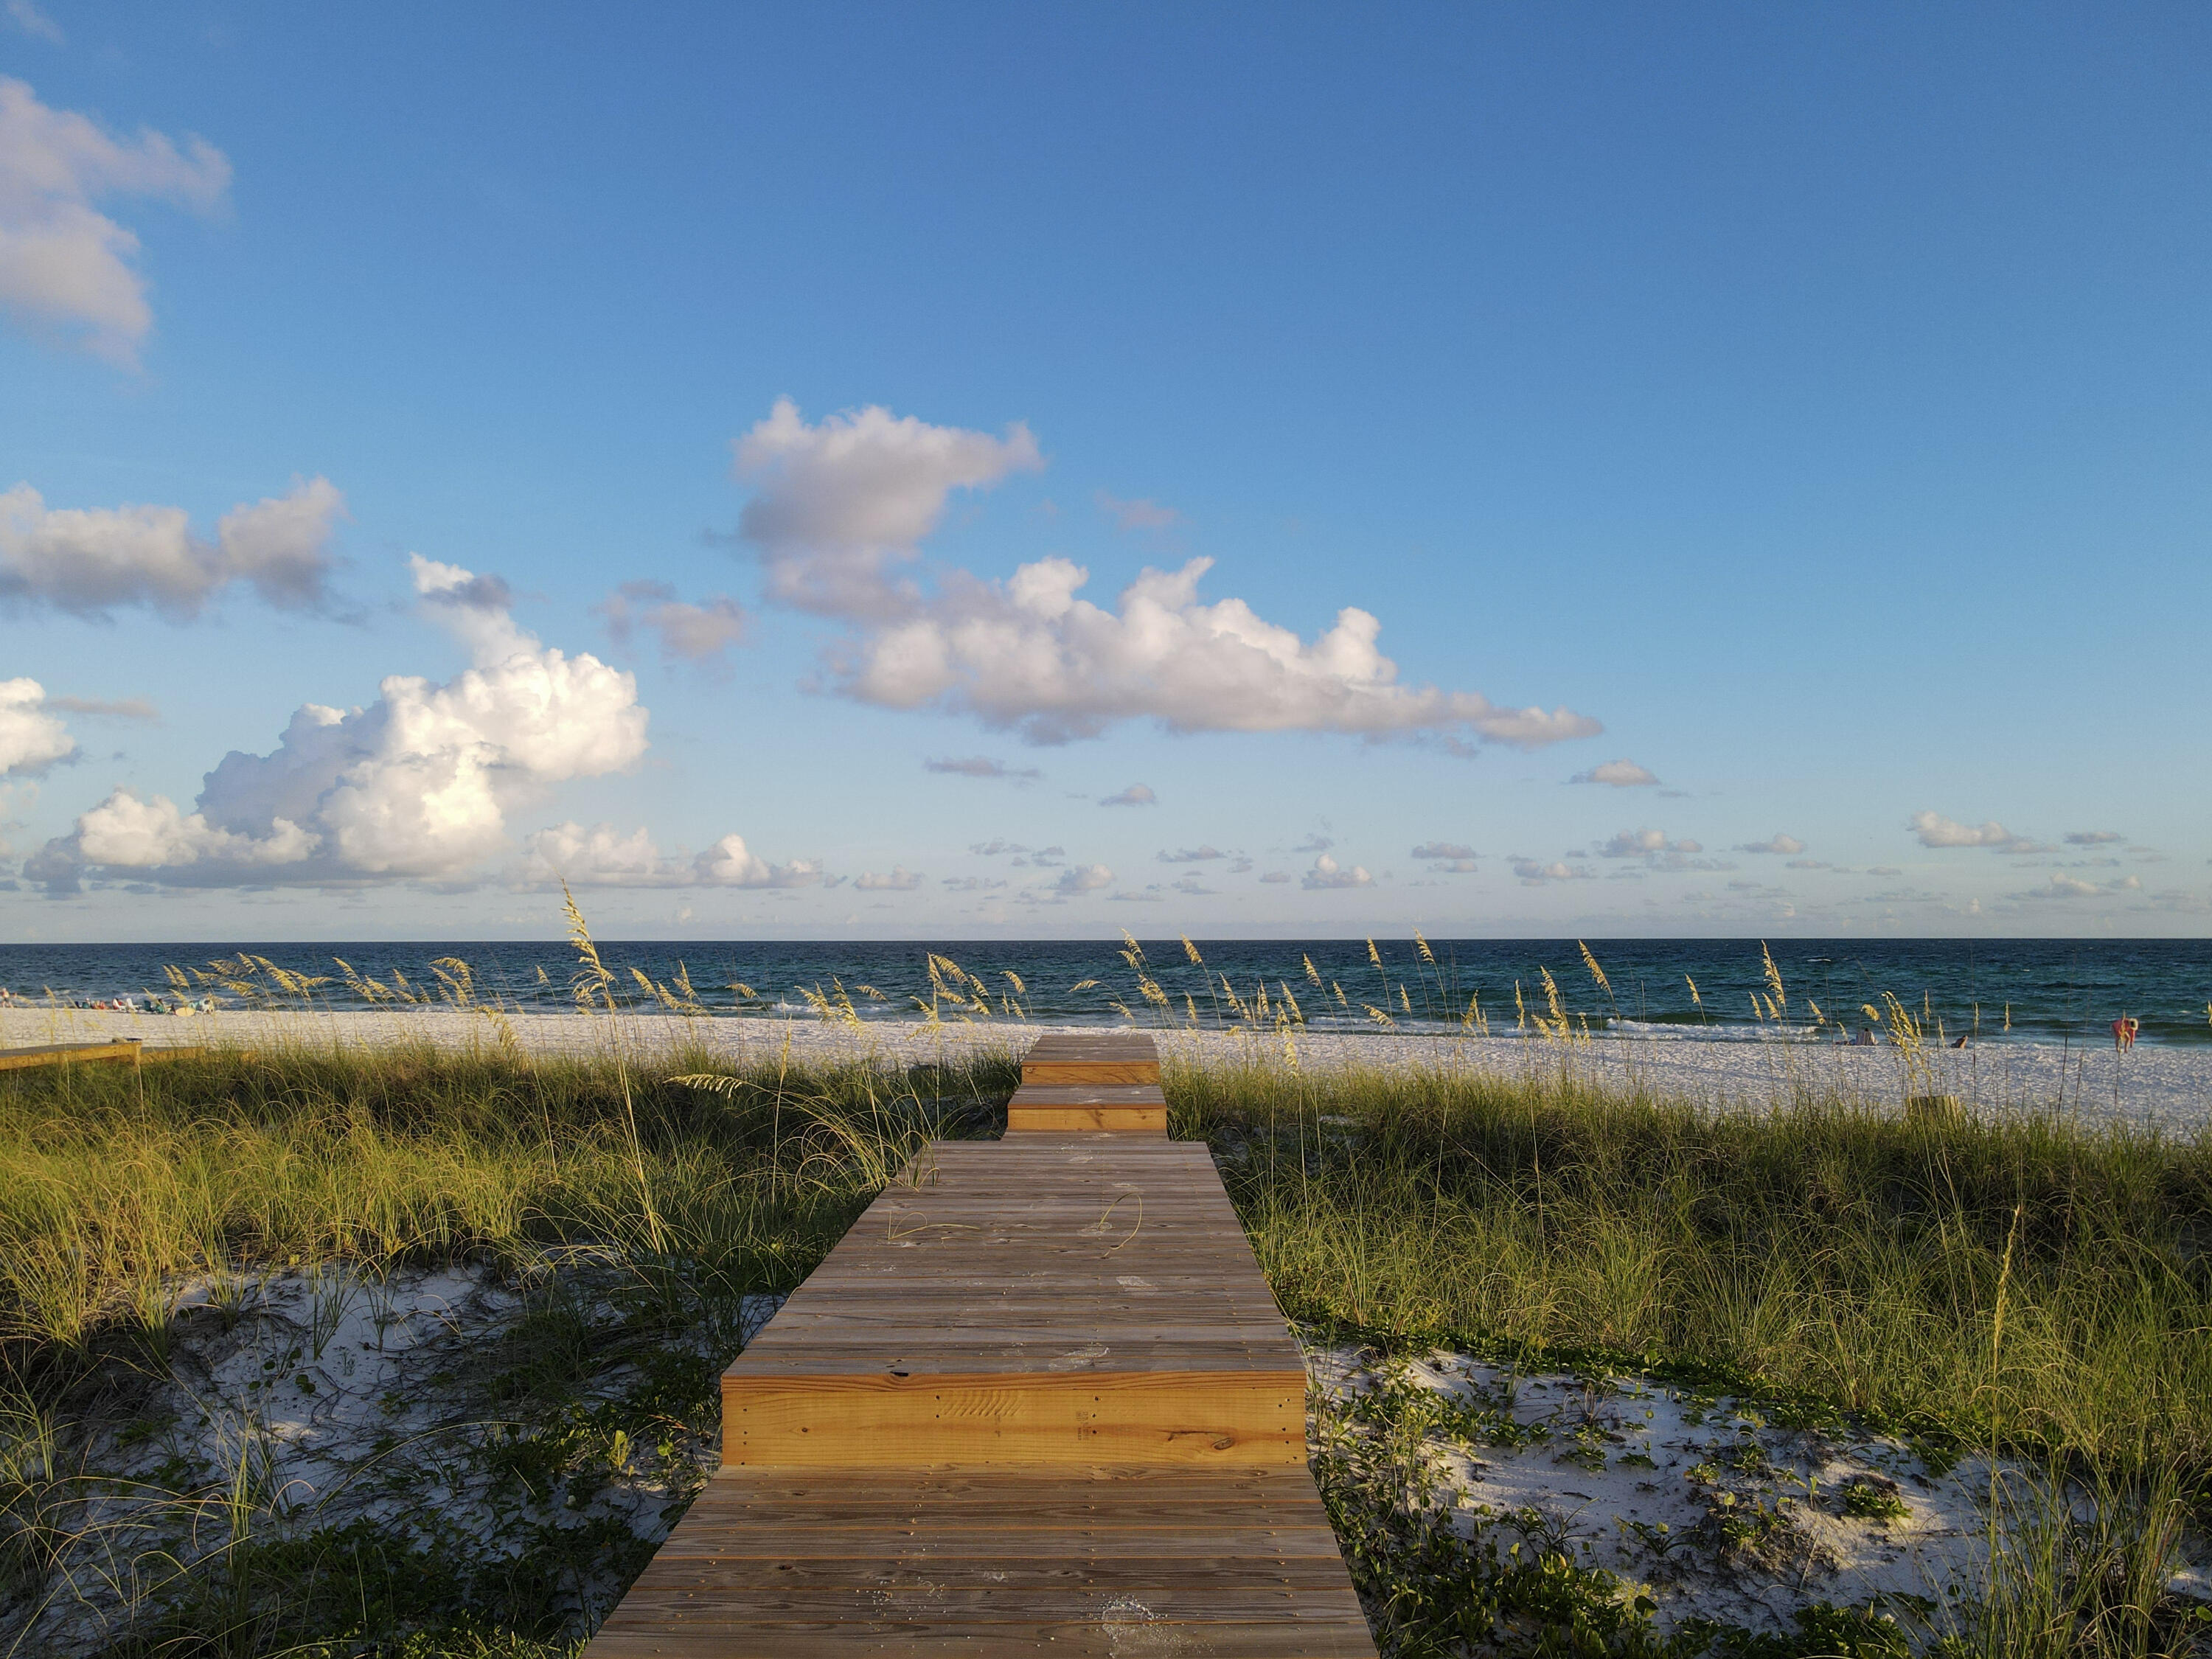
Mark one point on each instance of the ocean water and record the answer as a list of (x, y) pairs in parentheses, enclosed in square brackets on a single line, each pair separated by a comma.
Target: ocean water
[(1992, 989)]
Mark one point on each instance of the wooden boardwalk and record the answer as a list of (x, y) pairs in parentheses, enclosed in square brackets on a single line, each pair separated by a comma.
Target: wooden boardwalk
[(1039, 1397), (73, 1053)]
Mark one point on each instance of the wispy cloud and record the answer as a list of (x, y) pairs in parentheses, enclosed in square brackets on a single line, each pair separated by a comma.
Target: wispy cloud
[(1622, 774), (65, 266), (1083, 879), (122, 709), (1139, 514), (1443, 849), (1136, 794), (687, 632), (1190, 855), (2070, 887), (29, 20), (2092, 837), (1535, 873), (92, 561), (982, 766)]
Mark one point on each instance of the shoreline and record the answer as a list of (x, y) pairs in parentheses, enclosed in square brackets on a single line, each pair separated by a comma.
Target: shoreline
[(2168, 1088)]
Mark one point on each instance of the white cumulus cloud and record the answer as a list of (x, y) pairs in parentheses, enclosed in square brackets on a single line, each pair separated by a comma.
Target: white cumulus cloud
[(65, 267), (90, 560), (1644, 843), (126, 833), (1028, 654), (1136, 794), (31, 739), (899, 879), (1777, 842), (419, 783), (601, 857), (836, 507), (1936, 830), (1084, 878), (1535, 872), (839, 506), (1327, 873)]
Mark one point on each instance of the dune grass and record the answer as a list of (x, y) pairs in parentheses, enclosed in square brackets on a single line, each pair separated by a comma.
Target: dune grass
[(2031, 1286), (121, 1189), (116, 1182), (1849, 1256), (2026, 1288)]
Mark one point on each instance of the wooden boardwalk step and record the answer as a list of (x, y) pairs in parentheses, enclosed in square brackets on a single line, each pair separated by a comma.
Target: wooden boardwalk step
[(1234, 1564), (1108, 1107), (1043, 1301), (1063, 1058)]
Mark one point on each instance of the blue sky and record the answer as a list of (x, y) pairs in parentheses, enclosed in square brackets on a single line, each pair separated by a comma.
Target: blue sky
[(634, 432)]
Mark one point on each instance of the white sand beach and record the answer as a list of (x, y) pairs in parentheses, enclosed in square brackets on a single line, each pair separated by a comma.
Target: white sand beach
[(2168, 1087)]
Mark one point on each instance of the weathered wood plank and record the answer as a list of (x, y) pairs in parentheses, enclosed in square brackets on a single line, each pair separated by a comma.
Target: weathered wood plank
[(1031, 1419), (1108, 1057), (71, 1054), (1117, 1637), (1134, 1561)]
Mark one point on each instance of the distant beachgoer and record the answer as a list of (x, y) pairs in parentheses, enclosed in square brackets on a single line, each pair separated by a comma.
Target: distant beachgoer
[(1959, 1043), (1864, 1040), (2124, 1031)]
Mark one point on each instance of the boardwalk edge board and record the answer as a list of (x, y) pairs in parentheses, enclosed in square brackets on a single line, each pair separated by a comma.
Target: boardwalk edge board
[(71, 1054)]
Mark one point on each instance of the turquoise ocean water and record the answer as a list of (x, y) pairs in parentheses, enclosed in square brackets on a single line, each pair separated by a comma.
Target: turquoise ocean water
[(1994, 989)]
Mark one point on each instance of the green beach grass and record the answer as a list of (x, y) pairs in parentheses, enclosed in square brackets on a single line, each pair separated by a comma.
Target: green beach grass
[(2032, 1287)]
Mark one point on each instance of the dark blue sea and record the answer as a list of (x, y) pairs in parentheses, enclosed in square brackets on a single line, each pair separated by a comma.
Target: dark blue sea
[(2035, 989)]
